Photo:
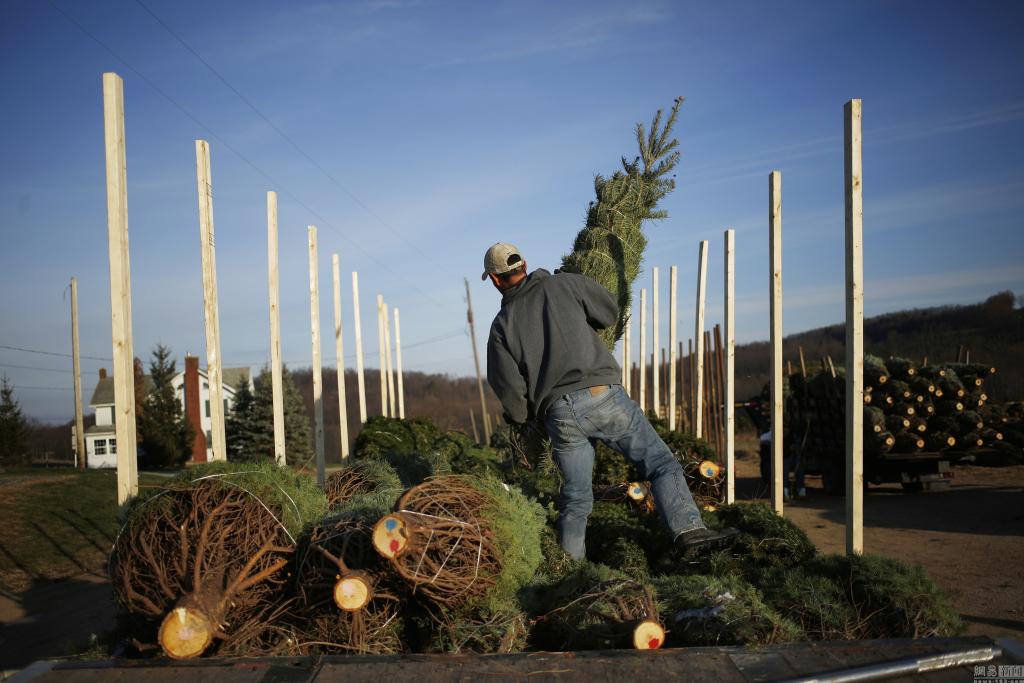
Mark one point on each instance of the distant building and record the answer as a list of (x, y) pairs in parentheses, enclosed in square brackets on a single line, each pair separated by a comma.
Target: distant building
[(192, 388)]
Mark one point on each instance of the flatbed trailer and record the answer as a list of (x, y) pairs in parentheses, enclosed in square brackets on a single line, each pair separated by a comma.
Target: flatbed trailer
[(891, 660)]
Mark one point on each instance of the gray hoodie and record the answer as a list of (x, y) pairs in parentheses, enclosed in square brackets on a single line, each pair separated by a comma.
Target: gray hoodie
[(543, 342)]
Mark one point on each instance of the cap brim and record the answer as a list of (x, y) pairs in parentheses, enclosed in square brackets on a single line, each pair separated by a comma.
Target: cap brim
[(484, 276)]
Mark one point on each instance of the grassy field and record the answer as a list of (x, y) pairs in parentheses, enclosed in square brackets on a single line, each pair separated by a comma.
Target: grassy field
[(56, 523)]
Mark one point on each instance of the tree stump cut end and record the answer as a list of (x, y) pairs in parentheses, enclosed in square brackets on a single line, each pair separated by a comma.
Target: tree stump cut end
[(353, 592), (648, 635), (185, 633), (390, 536)]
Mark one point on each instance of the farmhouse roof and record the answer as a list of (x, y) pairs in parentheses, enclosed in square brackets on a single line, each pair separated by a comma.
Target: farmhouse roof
[(234, 377), (103, 394), (100, 429)]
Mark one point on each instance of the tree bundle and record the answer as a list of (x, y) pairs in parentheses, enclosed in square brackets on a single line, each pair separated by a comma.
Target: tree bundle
[(208, 553), (460, 539)]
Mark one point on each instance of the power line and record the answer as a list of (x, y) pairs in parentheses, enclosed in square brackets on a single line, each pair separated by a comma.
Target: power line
[(280, 132), (49, 353), (33, 367), (22, 386), (320, 218)]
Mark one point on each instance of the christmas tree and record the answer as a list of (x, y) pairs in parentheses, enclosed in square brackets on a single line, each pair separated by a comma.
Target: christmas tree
[(166, 433), (610, 248), (13, 427)]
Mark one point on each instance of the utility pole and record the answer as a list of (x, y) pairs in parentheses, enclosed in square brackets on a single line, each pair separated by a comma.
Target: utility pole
[(476, 361), (276, 375), (79, 433)]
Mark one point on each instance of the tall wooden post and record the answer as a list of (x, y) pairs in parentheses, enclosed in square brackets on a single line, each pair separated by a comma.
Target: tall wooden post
[(80, 459), (211, 316), (398, 368), (392, 403), (276, 374), (673, 274), (643, 350), (775, 247), (472, 421), (655, 345), (318, 382), (730, 366), (698, 339), (357, 329), (120, 287), (339, 352), (476, 361), (854, 330), (383, 360)]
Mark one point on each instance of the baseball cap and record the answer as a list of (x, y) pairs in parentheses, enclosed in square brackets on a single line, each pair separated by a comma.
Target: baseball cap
[(501, 258)]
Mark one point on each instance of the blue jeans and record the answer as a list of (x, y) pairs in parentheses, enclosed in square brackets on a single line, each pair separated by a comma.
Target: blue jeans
[(574, 422)]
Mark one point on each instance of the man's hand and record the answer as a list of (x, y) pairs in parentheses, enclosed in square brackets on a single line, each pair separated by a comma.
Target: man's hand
[(509, 421)]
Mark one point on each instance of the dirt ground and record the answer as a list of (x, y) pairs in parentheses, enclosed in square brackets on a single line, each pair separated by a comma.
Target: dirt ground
[(970, 539)]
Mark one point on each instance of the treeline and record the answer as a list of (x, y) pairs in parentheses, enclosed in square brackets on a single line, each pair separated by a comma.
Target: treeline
[(993, 332)]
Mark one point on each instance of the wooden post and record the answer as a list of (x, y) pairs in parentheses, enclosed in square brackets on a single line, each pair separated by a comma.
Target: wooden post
[(357, 328), (476, 361), (854, 330), (698, 339), (120, 287), (775, 285), (803, 365), (383, 361), (673, 273), (211, 315), (398, 359), (339, 352), (392, 403), (719, 392), (318, 382), (472, 421), (693, 384), (80, 454), (730, 366), (655, 369), (643, 350), (276, 375)]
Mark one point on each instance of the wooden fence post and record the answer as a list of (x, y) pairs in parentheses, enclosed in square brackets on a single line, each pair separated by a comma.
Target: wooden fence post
[(383, 360), (120, 287), (730, 367), (698, 339), (673, 273), (655, 368), (357, 329), (392, 403), (318, 383), (398, 368), (339, 352), (476, 360), (211, 315), (472, 421), (625, 355), (854, 330), (76, 366), (775, 284), (273, 283), (643, 350)]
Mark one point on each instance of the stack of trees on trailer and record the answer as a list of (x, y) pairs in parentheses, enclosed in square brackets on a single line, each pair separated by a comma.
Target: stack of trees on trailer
[(427, 542)]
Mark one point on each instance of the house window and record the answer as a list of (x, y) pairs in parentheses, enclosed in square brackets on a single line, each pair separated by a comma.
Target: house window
[(225, 406), (100, 447), (113, 446), (207, 407), (111, 414), (209, 439)]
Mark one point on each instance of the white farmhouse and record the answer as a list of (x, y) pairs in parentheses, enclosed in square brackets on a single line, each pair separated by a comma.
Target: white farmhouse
[(191, 386)]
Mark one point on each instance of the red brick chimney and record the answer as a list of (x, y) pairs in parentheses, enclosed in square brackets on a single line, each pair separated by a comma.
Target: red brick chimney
[(193, 406)]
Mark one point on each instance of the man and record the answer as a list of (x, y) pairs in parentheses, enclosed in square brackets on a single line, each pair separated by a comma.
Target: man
[(546, 361)]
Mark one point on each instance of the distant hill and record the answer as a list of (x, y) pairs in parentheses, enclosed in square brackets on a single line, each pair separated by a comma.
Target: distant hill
[(992, 331)]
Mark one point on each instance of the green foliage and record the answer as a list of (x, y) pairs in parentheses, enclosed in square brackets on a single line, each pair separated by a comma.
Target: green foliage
[(610, 248), (292, 497), (719, 610), (249, 429), (13, 427), (384, 489), (478, 630), (164, 430), (515, 523), (410, 446), (465, 457), (894, 599), (766, 539)]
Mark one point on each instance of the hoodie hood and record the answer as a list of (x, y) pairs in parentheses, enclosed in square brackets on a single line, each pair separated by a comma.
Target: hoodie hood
[(529, 282)]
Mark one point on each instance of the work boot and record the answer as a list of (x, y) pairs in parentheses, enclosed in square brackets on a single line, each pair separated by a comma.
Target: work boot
[(699, 541)]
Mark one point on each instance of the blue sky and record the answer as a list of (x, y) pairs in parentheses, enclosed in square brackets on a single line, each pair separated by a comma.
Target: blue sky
[(447, 126)]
